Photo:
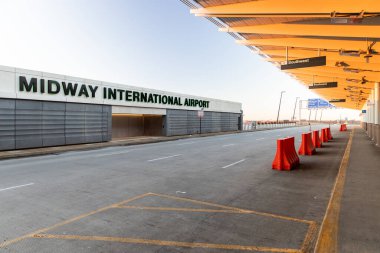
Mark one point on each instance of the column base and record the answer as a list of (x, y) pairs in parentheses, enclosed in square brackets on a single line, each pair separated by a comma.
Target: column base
[(369, 130), (364, 125), (374, 133), (377, 135)]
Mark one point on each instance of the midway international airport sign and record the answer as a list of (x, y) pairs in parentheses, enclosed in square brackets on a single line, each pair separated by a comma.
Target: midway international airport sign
[(27, 84)]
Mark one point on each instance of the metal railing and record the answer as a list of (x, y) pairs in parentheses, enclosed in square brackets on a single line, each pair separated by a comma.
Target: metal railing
[(257, 125)]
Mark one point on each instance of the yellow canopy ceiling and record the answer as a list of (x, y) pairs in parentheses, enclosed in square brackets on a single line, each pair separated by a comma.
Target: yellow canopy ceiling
[(345, 31)]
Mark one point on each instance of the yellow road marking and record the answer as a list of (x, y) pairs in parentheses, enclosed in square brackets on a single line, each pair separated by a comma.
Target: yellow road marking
[(328, 234), (309, 238), (167, 243), (7, 243), (183, 209), (234, 208), (41, 232)]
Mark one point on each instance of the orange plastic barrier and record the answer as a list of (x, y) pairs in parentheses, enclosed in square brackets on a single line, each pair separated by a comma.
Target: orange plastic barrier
[(329, 136), (343, 127), (324, 137), (316, 140), (307, 147), (286, 157)]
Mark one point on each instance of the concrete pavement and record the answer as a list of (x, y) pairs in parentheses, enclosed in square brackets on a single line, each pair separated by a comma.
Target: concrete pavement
[(211, 194), (359, 222)]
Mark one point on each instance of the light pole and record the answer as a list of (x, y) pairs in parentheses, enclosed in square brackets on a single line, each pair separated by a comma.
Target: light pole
[(316, 113), (279, 106), (294, 112), (309, 120), (320, 119)]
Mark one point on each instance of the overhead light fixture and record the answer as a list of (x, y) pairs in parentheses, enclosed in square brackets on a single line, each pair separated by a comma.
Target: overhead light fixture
[(341, 64), (349, 20), (354, 53), (367, 57), (351, 70), (337, 18)]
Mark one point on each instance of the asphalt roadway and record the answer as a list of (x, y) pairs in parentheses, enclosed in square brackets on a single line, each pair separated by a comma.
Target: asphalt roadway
[(209, 194)]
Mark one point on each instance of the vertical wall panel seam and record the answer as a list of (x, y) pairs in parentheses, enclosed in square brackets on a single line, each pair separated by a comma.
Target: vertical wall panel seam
[(14, 111), (14, 124), (64, 124)]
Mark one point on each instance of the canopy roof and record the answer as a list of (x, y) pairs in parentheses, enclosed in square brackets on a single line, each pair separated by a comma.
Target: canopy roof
[(345, 31)]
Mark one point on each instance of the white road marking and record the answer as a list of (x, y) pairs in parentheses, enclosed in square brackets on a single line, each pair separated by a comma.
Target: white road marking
[(260, 139), (17, 186), (180, 192), (228, 145), (165, 157), (232, 164), (186, 143), (115, 153)]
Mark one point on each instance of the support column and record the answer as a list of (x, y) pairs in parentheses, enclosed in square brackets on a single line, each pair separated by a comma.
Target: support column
[(377, 114), (365, 117), (369, 115)]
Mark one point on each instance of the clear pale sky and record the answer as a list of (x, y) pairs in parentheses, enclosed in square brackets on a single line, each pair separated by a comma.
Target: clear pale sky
[(150, 43)]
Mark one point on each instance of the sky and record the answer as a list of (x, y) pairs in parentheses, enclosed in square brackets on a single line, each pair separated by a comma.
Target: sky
[(149, 43)]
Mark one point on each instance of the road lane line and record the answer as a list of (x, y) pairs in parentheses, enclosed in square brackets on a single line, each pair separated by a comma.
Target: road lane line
[(115, 153), (162, 158), (328, 235), (275, 216), (17, 186), (260, 139), (166, 243), (232, 164), (228, 145), (44, 230)]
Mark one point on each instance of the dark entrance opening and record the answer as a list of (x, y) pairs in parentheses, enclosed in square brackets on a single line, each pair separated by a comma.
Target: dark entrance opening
[(130, 125)]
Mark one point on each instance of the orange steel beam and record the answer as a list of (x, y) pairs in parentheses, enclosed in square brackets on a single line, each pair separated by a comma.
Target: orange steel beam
[(332, 63), (310, 43), (309, 75), (311, 71), (357, 31), (298, 53), (299, 8)]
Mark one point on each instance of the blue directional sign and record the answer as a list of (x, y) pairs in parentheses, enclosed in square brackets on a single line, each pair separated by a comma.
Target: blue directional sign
[(312, 103), (316, 103), (322, 103)]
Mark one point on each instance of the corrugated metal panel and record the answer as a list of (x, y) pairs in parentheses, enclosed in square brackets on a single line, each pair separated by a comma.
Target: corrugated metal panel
[(176, 122), (53, 124), (216, 121), (75, 123), (192, 122), (7, 124), (106, 123), (182, 122), (29, 124), (93, 123)]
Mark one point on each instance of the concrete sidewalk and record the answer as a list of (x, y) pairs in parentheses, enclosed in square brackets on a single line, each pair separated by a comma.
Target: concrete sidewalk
[(359, 221)]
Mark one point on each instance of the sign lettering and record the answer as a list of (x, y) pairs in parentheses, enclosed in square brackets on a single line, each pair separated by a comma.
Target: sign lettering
[(54, 87)]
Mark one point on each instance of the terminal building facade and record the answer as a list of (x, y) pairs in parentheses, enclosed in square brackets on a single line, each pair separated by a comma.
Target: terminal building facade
[(39, 109)]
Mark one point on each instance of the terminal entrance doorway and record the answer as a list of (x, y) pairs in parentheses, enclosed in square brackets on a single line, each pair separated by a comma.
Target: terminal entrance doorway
[(130, 125)]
